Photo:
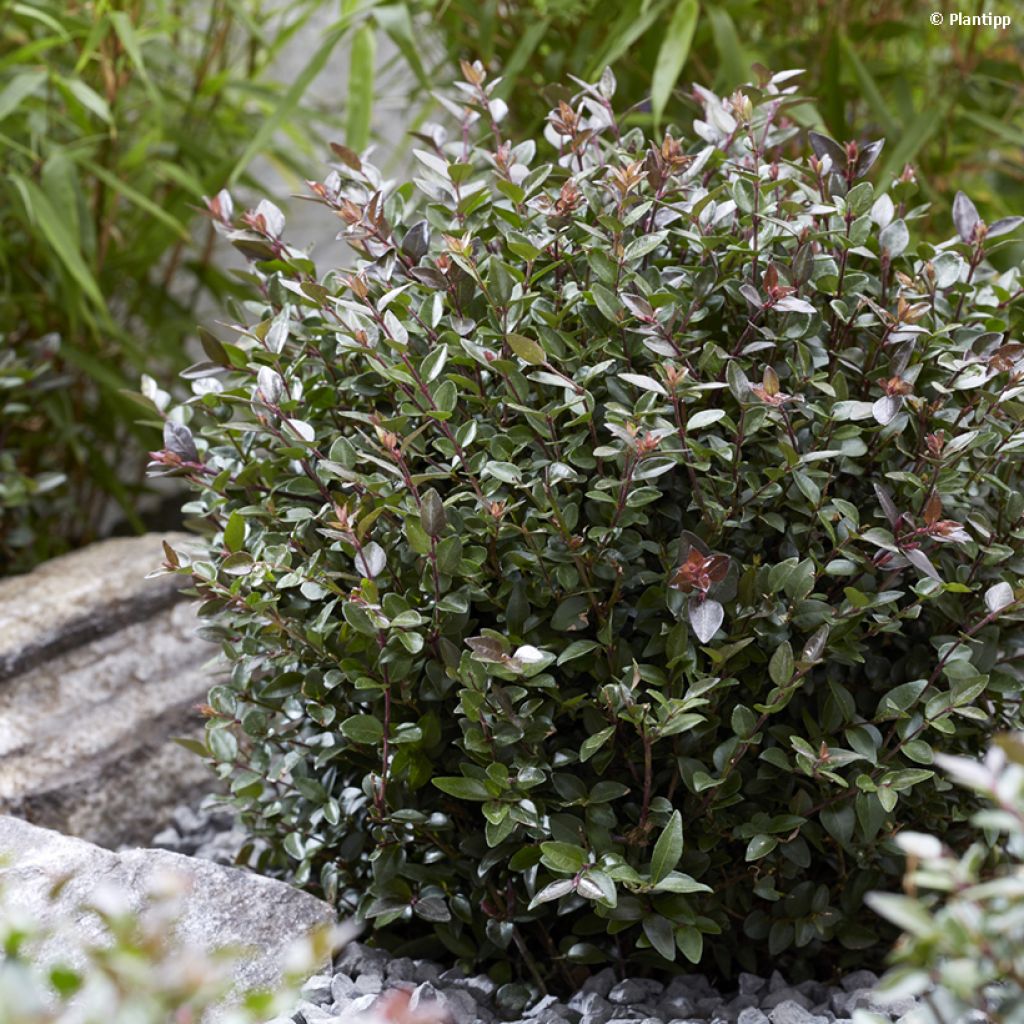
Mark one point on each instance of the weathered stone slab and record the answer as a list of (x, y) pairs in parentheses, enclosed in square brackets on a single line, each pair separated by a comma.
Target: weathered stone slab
[(99, 669), (222, 907), (73, 599)]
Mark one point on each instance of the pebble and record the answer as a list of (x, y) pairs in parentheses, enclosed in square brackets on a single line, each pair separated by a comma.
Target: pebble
[(370, 983), (752, 1015), (318, 989), (785, 995), (585, 1002), (859, 979), (675, 1008), (343, 988), (401, 969), (789, 1011), (601, 982), (635, 990)]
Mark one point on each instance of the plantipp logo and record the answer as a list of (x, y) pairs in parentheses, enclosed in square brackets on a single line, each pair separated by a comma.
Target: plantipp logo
[(958, 20)]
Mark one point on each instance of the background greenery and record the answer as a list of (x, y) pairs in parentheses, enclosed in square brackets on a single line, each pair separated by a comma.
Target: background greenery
[(115, 119)]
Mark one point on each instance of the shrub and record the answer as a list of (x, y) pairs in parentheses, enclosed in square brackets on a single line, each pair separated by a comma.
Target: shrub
[(116, 118), (129, 970), (963, 942), (601, 559)]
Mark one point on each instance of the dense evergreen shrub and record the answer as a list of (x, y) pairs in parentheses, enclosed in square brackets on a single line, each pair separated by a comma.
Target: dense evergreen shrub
[(602, 557), (963, 916)]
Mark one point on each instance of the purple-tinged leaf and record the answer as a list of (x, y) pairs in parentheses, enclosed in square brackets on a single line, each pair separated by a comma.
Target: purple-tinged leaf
[(486, 648), (556, 890), (429, 276), (752, 295), (270, 385), (965, 217), (643, 382), (272, 217), (888, 507), (370, 560), (815, 646), (894, 238), (301, 430), (919, 560), (432, 514), (824, 146), (868, 155), (886, 409), (792, 304), (883, 210), (638, 306), (1004, 226), (277, 334), (417, 241), (688, 540), (803, 265), (178, 439), (347, 156)]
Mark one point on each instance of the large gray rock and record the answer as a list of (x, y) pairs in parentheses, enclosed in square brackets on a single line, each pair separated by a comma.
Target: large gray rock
[(99, 669), (222, 907), (78, 597)]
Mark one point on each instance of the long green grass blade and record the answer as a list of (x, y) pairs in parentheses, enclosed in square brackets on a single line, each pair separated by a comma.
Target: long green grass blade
[(674, 50), (869, 87), (19, 88), (27, 53), (53, 228), (397, 23), (911, 142), (129, 40), (363, 58), (1004, 130), (138, 199), (521, 55), (35, 13), (290, 100), (734, 62), (633, 21)]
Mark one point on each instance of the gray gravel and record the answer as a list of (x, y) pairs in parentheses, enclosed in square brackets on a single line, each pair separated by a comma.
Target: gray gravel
[(374, 986), (208, 833), (365, 980)]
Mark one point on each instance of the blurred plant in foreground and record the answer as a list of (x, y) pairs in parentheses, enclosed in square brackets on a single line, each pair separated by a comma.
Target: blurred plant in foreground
[(963, 921), (130, 971)]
